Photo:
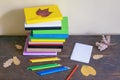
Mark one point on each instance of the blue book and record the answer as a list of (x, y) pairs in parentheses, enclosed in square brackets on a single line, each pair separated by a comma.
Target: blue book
[(53, 70), (50, 35)]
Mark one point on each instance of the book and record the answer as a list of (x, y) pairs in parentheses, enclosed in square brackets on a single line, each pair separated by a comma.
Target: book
[(43, 49), (44, 13), (63, 31), (27, 49), (40, 53), (48, 36), (47, 40), (44, 26), (45, 46), (36, 53), (47, 43)]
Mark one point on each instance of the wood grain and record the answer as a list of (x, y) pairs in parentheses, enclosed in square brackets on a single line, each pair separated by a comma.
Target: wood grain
[(108, 68)]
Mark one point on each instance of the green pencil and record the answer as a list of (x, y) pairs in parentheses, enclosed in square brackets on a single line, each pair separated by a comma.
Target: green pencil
[(45, 66)]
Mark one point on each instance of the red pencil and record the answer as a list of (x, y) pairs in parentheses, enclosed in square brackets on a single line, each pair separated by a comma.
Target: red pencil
[(73, 71)]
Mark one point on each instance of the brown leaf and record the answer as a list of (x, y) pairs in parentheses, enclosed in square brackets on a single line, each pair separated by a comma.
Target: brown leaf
[(8, 63), (16, 61), (96, 57), (88, 70), (18, 46), (43, 13)]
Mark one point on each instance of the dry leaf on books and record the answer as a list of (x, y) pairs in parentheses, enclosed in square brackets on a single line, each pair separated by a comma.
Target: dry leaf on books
[(8, 63), (88, 70)]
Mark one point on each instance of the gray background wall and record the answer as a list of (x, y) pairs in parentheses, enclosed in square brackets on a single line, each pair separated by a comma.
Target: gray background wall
[(85, 16)]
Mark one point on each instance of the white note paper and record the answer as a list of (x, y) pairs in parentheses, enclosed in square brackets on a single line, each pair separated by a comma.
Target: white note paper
[(81, 52)]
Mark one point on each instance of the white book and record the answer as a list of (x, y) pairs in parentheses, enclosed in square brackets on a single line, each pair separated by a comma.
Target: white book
[(45, 24), (81, 53)]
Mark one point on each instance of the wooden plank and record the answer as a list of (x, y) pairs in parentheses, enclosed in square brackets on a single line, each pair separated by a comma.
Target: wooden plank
[(108, 68)]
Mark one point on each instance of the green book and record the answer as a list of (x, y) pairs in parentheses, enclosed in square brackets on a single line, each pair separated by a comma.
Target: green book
[(45, 66), (64, 29)]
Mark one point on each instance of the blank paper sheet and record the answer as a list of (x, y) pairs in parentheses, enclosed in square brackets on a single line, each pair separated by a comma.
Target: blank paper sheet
[(81, 52)]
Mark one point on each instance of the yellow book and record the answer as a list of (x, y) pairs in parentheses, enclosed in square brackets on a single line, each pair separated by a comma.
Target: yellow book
[(47, 40), (42, 14), (45, 59)]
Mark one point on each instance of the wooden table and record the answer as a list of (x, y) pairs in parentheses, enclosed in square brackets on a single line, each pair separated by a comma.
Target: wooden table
[(108, 68)]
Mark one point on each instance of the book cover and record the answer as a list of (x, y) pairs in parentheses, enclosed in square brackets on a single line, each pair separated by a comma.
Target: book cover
[(42, 14), (53, 25), (64, 29)]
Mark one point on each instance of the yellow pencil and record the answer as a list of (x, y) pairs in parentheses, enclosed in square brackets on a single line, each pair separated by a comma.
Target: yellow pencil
[(45, 40), (44, 59)]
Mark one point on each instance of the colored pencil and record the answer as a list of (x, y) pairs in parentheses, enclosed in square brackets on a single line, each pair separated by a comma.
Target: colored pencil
[(72, 72), (44, 59), (44, 66), (53, 70)]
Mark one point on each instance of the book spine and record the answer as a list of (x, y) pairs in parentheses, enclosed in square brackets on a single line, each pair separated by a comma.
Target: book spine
[(40, 53)]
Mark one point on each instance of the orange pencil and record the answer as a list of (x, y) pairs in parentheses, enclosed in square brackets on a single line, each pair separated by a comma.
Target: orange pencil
[(73, 71)]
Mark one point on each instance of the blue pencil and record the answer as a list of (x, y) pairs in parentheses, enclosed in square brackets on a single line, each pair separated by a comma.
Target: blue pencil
[(53, 70)]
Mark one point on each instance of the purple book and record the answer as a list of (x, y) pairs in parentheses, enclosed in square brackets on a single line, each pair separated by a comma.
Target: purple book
[(40, 53), (36, 53)]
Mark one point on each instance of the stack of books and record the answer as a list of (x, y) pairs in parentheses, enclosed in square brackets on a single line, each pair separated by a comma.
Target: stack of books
[(48, 30)]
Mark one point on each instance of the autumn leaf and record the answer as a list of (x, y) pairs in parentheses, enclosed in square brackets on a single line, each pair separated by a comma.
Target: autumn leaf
[(16, 61), (8, 63), (88, 70), (96, 57), (43, 13), (18, 46)]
